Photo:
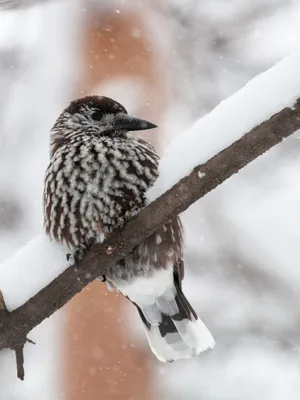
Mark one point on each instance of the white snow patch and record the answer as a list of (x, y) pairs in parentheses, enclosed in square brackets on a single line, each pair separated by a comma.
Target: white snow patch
[(201, 174), (30, 269), (257, 101)]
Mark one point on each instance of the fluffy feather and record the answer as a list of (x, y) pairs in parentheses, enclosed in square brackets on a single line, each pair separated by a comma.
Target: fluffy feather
[(172, 326)]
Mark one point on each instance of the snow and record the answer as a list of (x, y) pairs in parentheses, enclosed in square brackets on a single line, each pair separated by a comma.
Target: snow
[(257, 101), (259, 362), (30, 269), (40, 261), (242, 247), (42, 369), (38, 70)]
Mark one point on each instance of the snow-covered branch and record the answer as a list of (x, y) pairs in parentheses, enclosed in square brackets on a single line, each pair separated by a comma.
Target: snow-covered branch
[(202, 180), (268, 107)]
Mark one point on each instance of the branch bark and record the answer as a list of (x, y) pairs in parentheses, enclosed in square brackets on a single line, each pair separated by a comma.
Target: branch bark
[(201, 181)]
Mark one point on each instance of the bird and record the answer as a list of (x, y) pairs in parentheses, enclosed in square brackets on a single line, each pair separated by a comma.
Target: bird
[(97, 179)]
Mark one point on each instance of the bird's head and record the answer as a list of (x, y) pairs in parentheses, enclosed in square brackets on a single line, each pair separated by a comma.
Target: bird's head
[(100, 116)]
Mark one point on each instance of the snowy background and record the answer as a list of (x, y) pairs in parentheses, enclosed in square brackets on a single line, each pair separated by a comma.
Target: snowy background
[(242, 253)]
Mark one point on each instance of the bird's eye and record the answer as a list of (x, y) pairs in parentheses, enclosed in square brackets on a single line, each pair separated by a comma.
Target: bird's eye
[(97, 115)]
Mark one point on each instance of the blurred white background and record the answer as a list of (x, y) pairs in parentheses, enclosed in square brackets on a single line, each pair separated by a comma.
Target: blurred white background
[(242, 249)]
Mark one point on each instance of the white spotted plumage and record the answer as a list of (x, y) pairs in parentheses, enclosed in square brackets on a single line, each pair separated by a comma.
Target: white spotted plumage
[(96, 180)]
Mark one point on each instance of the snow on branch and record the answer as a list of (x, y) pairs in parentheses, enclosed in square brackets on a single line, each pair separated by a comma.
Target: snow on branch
[(197, 162)]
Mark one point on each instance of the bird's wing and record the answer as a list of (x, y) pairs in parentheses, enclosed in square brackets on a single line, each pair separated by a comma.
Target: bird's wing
[(179, 272)]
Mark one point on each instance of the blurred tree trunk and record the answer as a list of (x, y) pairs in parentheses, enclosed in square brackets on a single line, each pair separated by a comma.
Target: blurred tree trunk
[(100, 362)]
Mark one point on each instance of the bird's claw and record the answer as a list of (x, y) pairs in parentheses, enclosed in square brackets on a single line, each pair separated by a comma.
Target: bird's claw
[(77, 255)]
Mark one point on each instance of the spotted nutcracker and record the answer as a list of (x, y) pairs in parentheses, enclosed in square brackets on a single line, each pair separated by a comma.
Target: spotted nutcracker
[(96, 180)]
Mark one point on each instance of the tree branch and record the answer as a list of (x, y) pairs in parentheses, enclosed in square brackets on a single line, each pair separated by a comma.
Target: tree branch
[(201, 181), (19, 349)]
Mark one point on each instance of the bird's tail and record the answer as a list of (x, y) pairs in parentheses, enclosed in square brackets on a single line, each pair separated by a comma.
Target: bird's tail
[(173, 328)]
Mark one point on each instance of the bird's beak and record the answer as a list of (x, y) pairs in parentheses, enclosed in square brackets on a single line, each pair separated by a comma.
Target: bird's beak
[(128, 123)]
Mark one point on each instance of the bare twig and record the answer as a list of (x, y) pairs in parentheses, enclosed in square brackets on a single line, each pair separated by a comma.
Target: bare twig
[(202, 180), (20, 362), (20, 347)]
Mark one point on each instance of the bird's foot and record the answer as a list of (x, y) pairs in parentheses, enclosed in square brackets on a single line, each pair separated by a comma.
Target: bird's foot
[(77, 255)]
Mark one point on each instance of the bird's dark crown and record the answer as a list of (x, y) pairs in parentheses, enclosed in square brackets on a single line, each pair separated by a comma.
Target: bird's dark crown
[(101, 104)]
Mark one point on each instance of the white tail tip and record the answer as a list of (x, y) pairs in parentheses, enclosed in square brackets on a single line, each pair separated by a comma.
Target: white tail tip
[(192, 338)]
